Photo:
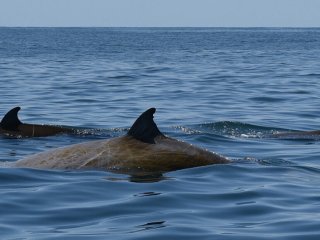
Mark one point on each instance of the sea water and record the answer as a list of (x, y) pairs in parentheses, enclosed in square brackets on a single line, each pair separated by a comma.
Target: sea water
[(226, 90)]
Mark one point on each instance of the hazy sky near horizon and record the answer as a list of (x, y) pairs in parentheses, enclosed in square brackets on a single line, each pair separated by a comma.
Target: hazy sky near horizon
[(160, 13)]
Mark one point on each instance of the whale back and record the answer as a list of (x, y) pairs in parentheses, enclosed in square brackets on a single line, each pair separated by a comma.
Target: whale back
[(11, 126), (125, 154), (143, 149), (37, 130), (167, 154), (69, 157)]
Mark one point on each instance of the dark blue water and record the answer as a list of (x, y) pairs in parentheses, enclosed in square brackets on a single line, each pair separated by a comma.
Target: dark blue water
[(221, 89)]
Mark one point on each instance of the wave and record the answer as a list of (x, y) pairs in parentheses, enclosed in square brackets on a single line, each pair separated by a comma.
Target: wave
[(111, 132), (232, 129)]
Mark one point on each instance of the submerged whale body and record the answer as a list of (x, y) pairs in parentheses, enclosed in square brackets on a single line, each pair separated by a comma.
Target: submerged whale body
[(315, 134), (11, 126), (143, 149)]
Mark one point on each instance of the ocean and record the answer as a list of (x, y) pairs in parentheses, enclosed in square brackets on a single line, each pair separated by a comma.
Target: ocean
[(224, 89)]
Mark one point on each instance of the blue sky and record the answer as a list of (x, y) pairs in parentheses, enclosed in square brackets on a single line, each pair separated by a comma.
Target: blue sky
[(160, 13)]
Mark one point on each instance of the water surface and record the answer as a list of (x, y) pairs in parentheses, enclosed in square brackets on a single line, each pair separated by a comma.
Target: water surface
[(221, 89)]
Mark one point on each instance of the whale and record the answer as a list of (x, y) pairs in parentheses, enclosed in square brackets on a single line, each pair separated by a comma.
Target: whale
[(143, 149), (11, 126)]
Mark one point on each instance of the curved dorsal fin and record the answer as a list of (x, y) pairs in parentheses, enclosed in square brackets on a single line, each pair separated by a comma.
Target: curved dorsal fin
[(10, 121), (144, 128)]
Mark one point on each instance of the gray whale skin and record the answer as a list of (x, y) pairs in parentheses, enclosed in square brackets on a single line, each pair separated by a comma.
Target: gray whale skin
[(143, 149)]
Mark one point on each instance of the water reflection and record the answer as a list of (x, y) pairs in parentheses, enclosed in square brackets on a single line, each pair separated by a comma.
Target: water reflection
[(150, 226), (138, 178), (147, 178), (146, 194)]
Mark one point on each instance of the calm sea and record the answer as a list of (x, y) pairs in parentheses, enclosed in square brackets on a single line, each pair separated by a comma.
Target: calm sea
[(218, 88)]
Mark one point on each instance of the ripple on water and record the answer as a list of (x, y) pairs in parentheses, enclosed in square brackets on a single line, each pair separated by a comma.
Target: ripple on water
[(218, 88)]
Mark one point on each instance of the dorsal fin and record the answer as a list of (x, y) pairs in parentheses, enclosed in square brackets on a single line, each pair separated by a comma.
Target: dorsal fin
[(10, 121), (144, 128)]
